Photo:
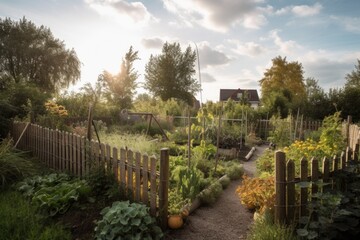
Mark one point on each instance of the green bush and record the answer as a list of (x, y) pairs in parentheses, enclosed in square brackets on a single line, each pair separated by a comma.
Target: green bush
[(225, 181), (266, 162), (13, 164), (124, 220), (234, 170)]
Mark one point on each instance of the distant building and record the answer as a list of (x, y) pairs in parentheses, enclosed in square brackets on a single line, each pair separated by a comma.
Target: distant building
[(241, 95)]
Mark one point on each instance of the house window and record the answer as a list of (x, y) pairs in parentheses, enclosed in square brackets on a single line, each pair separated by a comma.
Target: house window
[(239, 95)]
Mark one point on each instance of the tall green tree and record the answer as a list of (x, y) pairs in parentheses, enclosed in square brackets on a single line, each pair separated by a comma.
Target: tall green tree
[(121, 87), (31, 54), (171, 74), (317, 103), (353, 78), (286, 79)]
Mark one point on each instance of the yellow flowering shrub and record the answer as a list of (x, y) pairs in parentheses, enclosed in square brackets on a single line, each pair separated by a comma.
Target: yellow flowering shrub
[(54, 117), (257, 193)]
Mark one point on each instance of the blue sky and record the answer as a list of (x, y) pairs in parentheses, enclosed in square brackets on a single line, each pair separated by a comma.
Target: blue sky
[(236, 39)]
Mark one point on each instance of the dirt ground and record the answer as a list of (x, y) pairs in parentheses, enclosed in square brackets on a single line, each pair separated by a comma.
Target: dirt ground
[(227, 219)]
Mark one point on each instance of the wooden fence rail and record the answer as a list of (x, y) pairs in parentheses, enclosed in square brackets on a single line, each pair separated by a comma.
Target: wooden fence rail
[(135, 173), (287, 206)]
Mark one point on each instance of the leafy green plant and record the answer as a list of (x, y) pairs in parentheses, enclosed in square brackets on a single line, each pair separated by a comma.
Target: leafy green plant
[(125, 220), (14, 165), (188, 181), (19, 219), (176, 202), (210, 194), (266, 162), (224, 181), (54, 193), (335, 214)]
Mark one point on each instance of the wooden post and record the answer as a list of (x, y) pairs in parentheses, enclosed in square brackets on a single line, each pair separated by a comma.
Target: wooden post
[(189, 139), (314, 175), (218, 143), (280, 187), (303, 191), (290, 192), (326, 173), (349, 120), (164, 187), (90, 117), (356, 152)]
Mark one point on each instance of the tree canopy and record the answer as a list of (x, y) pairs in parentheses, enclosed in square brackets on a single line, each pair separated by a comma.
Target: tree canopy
[(285, 80), (121, 87), (353, 78), (31, 54), (171, 74)]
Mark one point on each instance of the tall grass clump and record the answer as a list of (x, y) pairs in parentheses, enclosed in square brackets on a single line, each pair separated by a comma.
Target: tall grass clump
[(13, 164), (136, 142), (264, 228), (19, 220)]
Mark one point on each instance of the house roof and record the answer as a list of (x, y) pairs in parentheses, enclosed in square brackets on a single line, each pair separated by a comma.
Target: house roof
[(252, 94)]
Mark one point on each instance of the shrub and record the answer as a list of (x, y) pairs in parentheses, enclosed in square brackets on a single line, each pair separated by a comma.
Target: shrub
[(234, 170), (257, 193), (13, 164), (266, 162), (124, 220), (225, 181)]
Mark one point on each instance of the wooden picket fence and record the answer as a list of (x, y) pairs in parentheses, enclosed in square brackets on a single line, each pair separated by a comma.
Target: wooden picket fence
[(136, 174), (287, 207)]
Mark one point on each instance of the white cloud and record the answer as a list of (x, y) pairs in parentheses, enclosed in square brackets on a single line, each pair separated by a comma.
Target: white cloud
[(351, 24), (219, 15), (124, 12), (207, 78), (250, 49), (300, 10), (306, 10), (152, 42), (286, 47), (211, 57)]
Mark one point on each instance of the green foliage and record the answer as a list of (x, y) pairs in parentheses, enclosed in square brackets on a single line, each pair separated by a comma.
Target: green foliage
[(265, 228), (103, 184), (204, 151), (14, 165), (225, 181), (19, 220), (36, 56), (187, 181), (120, 88), (234, 170), (170, 74), (176, 202), (334, 214), (54, 193), (281, 133), (210, 194), (266, 162), (124, 220), (286, 80)]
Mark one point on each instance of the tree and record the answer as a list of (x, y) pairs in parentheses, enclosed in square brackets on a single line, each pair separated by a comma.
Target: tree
[(170, 74), (284, 78), (31, 54), (353, 78), (121, 87), (317, 105)]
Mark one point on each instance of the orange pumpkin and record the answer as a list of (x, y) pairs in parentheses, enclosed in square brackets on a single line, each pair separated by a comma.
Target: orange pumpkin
[(175, 221)]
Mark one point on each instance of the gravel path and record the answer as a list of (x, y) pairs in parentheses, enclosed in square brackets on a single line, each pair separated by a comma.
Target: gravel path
[(227, 219)]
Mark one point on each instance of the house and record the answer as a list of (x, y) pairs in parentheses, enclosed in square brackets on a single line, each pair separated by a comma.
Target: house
[(247, 95)]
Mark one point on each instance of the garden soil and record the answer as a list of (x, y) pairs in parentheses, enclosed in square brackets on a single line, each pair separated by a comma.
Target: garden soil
[(227, 219)]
